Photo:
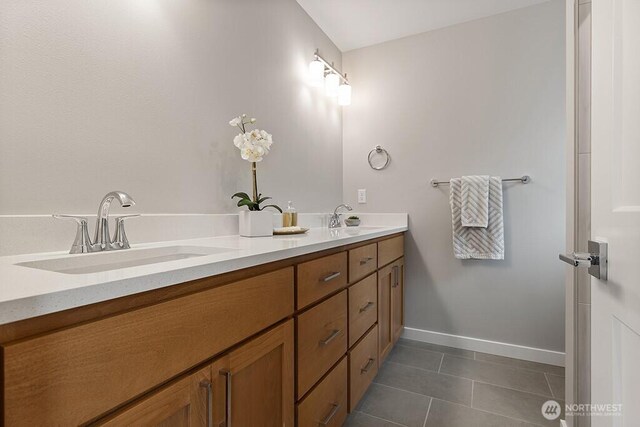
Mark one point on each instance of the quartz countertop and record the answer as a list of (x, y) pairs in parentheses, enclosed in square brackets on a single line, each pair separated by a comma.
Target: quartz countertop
[(27, 292)]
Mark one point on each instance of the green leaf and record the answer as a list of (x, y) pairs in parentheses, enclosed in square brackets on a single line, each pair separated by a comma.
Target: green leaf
[(241, 195), (262, 199), (248, 203), (271, 206)]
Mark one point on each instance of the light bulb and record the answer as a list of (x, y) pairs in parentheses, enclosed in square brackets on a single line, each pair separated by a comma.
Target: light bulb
[(316, 73), (331, 83), (344, 94)]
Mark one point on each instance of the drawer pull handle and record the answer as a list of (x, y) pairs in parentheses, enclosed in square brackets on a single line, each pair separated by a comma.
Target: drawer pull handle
[(207, 385), (227, 405), (368, 366), (331, 414), (367, 307), (331, 276), (363, 261), (333, 336)]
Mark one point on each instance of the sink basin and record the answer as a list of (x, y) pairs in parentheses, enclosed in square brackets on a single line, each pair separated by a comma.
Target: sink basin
[(106, 261)]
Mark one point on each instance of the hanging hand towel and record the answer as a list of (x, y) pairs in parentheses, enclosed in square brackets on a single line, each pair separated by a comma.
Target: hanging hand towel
[(475, 201), (478, 242)]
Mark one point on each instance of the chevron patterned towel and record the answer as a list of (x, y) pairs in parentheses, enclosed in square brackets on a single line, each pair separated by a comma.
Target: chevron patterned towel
[(478, 242), (475, 201)]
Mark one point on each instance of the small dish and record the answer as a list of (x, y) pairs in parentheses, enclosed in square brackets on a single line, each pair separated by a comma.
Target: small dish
[(285, 231)]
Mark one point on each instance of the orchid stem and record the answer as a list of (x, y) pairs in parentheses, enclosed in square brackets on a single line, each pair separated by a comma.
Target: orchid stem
[(255, 182)]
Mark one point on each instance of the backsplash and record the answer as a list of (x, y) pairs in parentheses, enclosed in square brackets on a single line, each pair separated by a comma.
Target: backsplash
[(22, 234)]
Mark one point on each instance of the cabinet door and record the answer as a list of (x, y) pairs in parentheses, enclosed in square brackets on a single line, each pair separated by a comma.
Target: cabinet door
[(256, 381), (397, 299), (385, 329), (184, 403)]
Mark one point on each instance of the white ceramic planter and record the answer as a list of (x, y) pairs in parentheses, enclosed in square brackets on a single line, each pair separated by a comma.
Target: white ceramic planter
[(256, 223)]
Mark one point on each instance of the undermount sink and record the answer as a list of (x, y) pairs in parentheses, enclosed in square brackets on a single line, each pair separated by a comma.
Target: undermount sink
[(106, 261)]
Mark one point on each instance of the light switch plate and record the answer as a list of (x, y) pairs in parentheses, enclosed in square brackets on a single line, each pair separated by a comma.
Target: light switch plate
[(362, 195)]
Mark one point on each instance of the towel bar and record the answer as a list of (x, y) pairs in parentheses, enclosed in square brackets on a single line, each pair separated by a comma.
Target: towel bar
[(525, 179)]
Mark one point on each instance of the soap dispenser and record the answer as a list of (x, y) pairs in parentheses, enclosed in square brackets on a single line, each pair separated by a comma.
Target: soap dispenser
[(290, 216)]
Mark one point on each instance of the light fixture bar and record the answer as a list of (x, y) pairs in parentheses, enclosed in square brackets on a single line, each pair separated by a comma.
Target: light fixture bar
[(331, 67)]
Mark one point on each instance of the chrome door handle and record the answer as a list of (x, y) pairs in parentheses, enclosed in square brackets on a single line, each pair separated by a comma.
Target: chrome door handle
[(227, 405), (595, 260), (207, 385), (577, 259), (331, 414), (334, 335), (366, 367), (367, 307), (331, 276)]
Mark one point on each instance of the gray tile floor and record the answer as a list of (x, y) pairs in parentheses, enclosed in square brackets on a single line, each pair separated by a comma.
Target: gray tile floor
[(426, 385)]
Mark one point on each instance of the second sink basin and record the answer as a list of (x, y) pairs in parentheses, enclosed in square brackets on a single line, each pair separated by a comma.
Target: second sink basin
[(106, 261)]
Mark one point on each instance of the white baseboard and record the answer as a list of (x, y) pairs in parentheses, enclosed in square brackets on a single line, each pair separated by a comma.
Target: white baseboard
[(485, 346)]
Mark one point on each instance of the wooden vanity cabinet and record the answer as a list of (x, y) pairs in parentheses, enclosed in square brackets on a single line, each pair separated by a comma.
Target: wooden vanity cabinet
[(244, 348), (88, 369)]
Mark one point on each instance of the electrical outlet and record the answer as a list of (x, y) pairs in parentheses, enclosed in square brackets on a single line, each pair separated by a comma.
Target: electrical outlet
[(362, 195)]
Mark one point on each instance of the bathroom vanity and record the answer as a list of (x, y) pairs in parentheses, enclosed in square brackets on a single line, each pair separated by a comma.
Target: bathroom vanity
[(284, 337)]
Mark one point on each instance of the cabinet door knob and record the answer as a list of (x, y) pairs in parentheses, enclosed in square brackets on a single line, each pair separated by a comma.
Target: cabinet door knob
[(363, 261), (331, 414), (208, 386), (227, 406), (331, 276), (396, 281), (367, 306), (333, 336), (368, 366)]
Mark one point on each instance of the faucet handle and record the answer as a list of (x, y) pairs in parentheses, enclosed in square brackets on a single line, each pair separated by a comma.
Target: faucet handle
[(82, 243), (120, 239), (78, 219)]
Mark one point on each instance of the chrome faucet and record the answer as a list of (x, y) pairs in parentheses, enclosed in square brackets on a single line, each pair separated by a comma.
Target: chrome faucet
[(102, 238), (334, 219)]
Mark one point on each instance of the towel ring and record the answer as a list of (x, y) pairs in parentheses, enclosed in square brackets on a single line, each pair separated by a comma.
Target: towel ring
[(379, 150)]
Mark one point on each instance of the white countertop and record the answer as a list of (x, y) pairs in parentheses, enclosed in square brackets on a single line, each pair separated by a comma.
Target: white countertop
[(29, 292)]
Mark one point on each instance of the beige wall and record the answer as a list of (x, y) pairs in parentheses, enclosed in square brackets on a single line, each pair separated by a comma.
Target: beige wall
[(484, 97), (136, 95)]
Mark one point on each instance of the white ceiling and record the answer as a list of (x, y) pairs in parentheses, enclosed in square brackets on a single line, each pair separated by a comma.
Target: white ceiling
[(352, 24)]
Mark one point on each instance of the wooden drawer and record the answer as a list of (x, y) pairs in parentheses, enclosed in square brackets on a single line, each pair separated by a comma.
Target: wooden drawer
[(73, 375), (390, 250), (363, 307), (363, 366), (322, 340), (321, 277), (326, 405), (362, 261)]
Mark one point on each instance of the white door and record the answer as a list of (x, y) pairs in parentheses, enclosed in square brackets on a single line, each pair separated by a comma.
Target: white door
[(615, 209)]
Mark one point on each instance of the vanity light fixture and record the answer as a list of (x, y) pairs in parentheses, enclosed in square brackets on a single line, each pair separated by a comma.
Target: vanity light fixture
[(344, 93), (316, 73), (331, 84), (335, 83)]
